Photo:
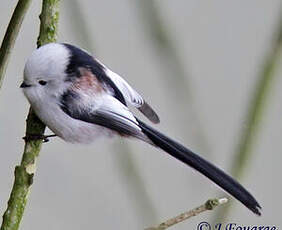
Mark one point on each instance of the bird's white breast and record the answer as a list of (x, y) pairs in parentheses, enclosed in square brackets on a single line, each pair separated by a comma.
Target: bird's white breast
[(70, 129)]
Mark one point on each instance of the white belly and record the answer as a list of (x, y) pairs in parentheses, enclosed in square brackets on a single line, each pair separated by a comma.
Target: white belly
[(70, 129)]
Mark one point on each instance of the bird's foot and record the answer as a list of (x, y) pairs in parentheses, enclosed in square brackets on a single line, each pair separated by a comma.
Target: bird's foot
[(35, 137)]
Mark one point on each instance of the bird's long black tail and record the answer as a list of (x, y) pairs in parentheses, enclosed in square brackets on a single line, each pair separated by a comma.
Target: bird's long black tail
[(212, 172)]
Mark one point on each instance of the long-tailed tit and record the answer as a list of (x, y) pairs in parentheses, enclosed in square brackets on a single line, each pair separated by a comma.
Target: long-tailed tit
[(80, 99)]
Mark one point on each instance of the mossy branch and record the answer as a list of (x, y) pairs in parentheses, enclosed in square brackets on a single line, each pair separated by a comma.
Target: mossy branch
[(49, 18), (25, 171), (208, 205), (11, 35)]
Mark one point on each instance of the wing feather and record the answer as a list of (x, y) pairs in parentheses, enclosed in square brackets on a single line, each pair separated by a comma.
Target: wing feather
[(133, 97), (88, 102)]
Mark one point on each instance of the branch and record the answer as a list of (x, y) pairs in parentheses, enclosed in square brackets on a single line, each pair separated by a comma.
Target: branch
[(25, 171), (11, 35), (209, 205), (49, 18)]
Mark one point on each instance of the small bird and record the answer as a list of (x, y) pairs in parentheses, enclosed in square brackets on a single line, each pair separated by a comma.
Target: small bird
[(80, 100)]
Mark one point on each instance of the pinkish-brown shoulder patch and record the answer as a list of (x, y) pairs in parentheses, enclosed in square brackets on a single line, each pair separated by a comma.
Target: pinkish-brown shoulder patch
[(88, 82)]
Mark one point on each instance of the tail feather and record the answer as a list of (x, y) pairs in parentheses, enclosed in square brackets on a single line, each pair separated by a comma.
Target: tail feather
[(209, 170)]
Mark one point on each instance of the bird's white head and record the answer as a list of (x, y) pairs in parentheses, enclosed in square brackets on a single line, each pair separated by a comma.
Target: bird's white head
[(45, 71)]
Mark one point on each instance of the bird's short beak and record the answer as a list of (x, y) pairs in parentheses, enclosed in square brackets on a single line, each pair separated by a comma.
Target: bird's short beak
[(24, 85)]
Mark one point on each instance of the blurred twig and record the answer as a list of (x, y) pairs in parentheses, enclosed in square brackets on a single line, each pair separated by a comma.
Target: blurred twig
[(11, 35), (209, 205), (25, 171), (79, 24), (257, 106), (255, 112), (135, 185), (176, 79)]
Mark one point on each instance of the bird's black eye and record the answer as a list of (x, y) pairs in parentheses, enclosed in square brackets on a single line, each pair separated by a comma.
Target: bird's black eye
[(41, 82)]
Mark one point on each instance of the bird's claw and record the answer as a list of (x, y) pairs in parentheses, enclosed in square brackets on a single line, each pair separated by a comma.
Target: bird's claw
[(35, 137)]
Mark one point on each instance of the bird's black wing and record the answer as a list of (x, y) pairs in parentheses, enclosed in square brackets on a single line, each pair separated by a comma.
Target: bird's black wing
[(111, 81), (81, 59), (88, 101)]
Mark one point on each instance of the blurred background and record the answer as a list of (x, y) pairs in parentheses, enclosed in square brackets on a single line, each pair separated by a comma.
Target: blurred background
[(201, 65)]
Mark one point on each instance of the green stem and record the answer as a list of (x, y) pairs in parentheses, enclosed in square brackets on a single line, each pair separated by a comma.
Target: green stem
[(49, 18), (11, 35), (25, 171), (257, 107), (256, 110)]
